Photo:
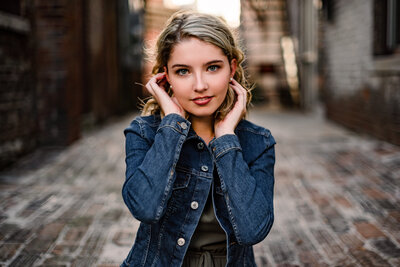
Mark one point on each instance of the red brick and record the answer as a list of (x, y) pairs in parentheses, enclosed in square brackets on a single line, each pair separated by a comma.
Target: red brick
[(375, 193), (342, 201), (51, 231), (74, 235), (351, 241), (368, 230), (7, 251)]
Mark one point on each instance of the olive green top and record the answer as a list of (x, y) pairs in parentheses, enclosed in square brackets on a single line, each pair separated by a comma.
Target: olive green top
[(208, 244)]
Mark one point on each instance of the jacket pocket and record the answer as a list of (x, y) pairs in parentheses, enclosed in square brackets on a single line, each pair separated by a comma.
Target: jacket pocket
[(182, 180)]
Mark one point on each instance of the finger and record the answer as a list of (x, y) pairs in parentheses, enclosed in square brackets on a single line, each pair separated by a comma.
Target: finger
[(158, 92), (149, 88), (156, 83), (244, 92), (159, 76), (235, 83), (241, 102), (241, 93)]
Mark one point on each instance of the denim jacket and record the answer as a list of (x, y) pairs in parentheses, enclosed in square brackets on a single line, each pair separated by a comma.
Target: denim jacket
[(169, 174)]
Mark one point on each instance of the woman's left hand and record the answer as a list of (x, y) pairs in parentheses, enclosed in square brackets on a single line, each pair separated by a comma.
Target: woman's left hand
[(231, 120)]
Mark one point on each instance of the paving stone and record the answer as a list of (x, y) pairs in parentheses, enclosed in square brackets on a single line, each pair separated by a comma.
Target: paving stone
[(8, 250), (367, 258), (281, 252), (342, 201), (24, 260), (328, 243), (387, 247), (311, 258), (368, 230), (123, 238), (335, 220), (351, 241)]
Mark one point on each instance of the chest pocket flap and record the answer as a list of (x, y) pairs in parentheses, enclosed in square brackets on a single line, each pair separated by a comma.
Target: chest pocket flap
[(182, 180)]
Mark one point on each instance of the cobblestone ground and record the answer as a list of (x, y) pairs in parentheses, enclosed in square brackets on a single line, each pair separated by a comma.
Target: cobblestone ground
[(336, 200)]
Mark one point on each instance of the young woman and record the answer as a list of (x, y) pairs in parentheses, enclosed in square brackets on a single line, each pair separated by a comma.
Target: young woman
[(199, 177)]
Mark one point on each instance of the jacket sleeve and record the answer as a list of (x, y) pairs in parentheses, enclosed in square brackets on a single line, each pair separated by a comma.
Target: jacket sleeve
[(150, 166), (248, 188)]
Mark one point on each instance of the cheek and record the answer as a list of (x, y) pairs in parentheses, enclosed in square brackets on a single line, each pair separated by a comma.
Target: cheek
[(222, 88), (179, 93)]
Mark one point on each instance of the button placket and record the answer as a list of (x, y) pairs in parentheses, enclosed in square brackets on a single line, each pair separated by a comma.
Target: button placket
[(181, 242), (200, 145), (204, 168), (194, 205)]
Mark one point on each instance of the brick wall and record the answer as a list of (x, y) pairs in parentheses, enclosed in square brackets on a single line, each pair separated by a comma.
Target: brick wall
[(261, 29), (17, 128), (64, 64), (358, 92), (58, 61)]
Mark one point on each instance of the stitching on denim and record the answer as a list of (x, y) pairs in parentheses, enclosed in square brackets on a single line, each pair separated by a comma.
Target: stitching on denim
[(156, 120), (161, 231), (261, 131), (226, 197), (141, 130), (168, 189), (265, 132), (232, 218), (148, 246), (224, 151), (170, 126)]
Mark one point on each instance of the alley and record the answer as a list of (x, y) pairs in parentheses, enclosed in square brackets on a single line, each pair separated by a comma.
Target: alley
[(336, 199)]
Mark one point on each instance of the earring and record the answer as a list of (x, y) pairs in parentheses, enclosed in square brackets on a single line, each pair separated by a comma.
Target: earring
[(231, 79), (170, 86)]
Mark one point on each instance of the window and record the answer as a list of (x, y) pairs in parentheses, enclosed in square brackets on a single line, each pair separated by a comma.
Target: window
[(386, 27)]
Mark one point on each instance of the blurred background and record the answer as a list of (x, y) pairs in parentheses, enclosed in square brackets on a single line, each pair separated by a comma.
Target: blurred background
[(69, 65), (327, 85)]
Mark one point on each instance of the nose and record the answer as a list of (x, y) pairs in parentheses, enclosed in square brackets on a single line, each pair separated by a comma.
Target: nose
[(200, 83)]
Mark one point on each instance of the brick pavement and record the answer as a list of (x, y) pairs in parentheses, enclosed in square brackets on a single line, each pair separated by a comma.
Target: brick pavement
[(336, 200)]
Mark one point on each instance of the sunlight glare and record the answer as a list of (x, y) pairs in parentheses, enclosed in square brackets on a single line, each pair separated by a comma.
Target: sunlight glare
[(228, 9)]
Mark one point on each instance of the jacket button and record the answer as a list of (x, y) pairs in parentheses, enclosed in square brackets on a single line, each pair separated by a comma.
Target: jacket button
[(184, 125), (194, 205), (200, 145), (181, 242), (204, 168)]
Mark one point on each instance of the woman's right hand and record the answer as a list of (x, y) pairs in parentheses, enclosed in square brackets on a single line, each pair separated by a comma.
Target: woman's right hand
[(156, 87)]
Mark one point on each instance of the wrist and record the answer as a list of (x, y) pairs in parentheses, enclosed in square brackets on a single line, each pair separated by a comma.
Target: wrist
[(223, 132)]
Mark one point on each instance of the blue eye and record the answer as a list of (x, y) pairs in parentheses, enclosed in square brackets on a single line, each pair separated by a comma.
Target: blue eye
[(213, 68), (182, 72)]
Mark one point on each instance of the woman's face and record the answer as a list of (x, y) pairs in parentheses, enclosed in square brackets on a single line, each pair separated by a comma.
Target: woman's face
[(199, 73)]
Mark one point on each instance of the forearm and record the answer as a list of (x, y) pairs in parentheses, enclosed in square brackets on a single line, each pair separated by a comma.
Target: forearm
[(149, 181), (248, 192)]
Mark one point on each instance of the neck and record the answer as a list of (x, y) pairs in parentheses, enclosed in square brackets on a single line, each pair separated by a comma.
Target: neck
[(204, 127)]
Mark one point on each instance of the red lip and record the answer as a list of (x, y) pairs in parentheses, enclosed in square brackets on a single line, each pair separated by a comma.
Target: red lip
[(203, 100)]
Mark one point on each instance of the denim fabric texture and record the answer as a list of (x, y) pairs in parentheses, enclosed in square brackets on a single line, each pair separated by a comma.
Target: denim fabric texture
[(168, 167)]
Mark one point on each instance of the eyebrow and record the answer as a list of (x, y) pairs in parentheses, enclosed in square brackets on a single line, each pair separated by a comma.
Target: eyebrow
[(208, 63)]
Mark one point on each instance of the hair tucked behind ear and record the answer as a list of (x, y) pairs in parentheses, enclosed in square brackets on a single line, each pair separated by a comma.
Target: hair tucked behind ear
[(207, 28)]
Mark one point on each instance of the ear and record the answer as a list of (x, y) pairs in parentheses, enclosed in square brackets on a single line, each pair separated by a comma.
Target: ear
[(166, 74), (233, 66)]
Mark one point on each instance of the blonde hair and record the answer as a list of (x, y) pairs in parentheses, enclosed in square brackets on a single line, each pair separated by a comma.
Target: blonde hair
[(207, 28)]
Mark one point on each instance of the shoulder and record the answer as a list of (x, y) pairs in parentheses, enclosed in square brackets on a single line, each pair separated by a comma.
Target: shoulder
[(248, 131), (144, 125), (254, 139)]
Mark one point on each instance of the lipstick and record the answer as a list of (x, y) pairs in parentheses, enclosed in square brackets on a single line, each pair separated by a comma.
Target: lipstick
[(202, 100)]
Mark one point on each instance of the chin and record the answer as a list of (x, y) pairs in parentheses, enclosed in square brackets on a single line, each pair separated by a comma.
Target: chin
[(202, 114)]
